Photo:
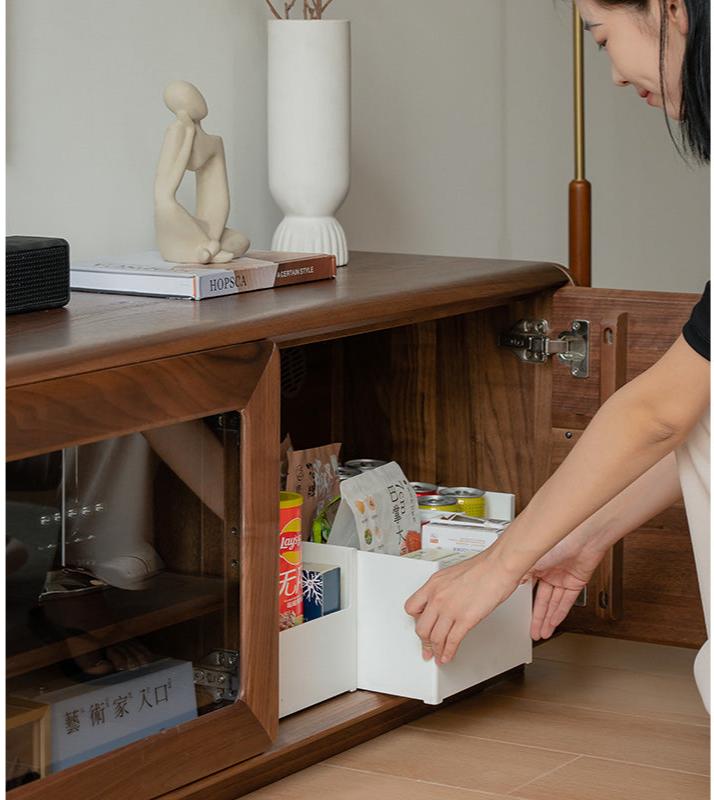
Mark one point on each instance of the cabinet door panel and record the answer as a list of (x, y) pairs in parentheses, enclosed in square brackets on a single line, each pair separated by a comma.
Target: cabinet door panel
[(659, 590), (148, 465)]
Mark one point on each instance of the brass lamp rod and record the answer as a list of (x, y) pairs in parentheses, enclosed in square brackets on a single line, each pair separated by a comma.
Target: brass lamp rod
[(579, 197), (578, 96)]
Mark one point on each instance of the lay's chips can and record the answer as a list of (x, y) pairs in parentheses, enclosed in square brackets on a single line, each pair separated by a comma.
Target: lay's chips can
[(290, 576)]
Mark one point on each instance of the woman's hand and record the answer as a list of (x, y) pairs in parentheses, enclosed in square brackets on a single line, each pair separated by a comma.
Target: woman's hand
[(562, 574), (455, 600)]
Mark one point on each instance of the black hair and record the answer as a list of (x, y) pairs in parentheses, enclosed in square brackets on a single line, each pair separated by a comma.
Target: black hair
[(694, 108)]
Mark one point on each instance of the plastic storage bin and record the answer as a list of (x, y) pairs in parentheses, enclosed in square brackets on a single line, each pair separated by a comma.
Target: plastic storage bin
[(371, 644)]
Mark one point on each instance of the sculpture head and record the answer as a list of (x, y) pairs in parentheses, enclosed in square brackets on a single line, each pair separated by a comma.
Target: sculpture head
[(184, 96)]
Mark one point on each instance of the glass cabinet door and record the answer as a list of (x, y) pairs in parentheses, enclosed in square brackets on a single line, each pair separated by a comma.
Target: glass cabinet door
[(123, 595)]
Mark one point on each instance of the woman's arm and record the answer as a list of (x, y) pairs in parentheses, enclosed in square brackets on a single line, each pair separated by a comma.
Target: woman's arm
[(637, 427), (563, 571)]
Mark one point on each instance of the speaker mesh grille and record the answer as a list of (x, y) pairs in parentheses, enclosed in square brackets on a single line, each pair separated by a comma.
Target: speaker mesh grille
[(36, 278)]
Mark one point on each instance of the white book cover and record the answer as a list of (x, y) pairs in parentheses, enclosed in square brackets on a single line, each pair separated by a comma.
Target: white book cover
[(148, 274)]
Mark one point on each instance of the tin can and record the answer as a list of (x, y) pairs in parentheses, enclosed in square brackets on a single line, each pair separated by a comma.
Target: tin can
[(290, 577), (365, 464), (438, 502), (343, 473), (423, 489), (472, 502)]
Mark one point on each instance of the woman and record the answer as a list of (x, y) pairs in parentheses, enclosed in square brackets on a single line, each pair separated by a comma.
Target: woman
[(649, 443)]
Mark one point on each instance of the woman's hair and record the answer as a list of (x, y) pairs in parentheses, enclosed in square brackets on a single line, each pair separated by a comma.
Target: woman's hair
[(694, 110)]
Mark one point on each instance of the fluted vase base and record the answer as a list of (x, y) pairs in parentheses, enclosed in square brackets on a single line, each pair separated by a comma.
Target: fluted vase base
[(312, 235)]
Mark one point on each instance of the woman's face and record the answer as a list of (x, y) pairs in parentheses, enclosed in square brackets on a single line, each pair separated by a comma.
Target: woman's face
[(631, 39)]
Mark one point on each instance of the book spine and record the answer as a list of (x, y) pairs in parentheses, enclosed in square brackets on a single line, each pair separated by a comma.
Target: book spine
[(306, 269), (205, 286)]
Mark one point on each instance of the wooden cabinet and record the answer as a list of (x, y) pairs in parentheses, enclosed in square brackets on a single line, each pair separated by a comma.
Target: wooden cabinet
[(398, 358), (174, 460)]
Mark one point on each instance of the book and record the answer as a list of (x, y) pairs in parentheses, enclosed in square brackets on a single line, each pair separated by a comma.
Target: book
[(148, 274)]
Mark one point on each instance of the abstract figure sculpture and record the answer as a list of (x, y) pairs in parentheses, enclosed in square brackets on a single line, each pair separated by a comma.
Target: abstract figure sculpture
[(181, 236)]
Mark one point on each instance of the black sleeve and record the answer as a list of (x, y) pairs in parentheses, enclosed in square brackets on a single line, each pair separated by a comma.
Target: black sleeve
[(697, 331)]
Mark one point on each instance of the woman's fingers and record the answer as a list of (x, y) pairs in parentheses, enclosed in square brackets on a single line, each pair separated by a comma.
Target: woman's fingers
[(547, 628), (566, 603), (417, 602), (454, 639), (439, 634), (424, 627), (540, 608)]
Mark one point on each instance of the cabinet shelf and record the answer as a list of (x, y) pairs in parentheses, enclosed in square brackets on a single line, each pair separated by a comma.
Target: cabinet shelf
[(171, 599)]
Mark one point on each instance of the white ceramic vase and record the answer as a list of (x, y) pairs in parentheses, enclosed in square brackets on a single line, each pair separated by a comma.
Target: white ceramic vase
[(309, 132)]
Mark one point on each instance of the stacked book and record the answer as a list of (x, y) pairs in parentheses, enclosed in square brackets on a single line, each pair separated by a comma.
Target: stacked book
[(148, 274)]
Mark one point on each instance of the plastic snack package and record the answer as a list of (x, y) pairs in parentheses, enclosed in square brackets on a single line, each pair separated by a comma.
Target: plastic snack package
[(379, 512), (313, 474), (286, 446)]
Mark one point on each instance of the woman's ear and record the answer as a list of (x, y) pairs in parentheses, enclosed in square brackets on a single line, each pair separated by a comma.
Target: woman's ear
[(677, 15)]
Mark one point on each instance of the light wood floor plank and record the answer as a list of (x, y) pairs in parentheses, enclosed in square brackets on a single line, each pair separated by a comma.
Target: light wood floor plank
[(601, 651), (596, 779), (345, 784), (564, 728), (669, 697), (451, 760)]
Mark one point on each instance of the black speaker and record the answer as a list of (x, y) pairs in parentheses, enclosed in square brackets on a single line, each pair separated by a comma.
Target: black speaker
[(36, 273)]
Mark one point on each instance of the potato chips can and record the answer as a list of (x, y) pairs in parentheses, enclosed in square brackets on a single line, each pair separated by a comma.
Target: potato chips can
[(290, 576)]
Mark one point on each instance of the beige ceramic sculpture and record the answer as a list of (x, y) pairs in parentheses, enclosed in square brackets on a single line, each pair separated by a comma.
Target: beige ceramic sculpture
[(181, 236)]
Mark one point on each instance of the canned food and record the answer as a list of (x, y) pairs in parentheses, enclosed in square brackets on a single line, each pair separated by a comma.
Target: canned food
[(438, 502), (343, 473), (423, 489), (365, 464), (290, 584), (471, 501)]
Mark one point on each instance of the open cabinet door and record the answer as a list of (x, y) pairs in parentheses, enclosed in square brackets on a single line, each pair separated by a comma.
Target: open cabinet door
[(646, 588)]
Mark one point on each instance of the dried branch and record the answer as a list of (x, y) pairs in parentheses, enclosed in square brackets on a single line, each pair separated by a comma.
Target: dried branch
[(311, 9), (273, 9)]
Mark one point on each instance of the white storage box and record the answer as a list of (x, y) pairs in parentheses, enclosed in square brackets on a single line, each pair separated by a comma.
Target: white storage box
[(371, 644)]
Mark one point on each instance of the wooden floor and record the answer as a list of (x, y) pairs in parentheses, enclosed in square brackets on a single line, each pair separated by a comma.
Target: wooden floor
[(593, 718)]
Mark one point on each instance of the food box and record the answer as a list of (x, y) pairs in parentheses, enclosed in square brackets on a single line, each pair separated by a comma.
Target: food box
[(320, 590), (459, 535)]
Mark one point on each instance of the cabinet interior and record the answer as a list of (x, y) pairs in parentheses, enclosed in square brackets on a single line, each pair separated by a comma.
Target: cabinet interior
[(439, 397)]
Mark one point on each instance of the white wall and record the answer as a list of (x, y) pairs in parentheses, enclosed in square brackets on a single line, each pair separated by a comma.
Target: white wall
[(86, 119), (463, 145), (462, 139)]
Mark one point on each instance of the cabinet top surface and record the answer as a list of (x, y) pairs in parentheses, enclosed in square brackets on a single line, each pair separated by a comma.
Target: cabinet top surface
[(376, 290)]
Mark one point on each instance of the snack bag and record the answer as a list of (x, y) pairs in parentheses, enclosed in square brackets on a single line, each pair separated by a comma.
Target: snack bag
[(379, 512), (313, 474), (286, 446)]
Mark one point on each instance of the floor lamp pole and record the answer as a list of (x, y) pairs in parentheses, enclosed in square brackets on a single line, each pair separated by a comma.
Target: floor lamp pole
[(580, 224)]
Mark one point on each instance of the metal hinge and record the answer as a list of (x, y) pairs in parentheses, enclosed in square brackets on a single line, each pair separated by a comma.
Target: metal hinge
[(530, 341), (230, 421), (218, 674)]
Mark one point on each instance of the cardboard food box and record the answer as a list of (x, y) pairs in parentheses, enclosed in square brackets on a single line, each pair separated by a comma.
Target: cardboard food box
[(460, 535), (320, 590)]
